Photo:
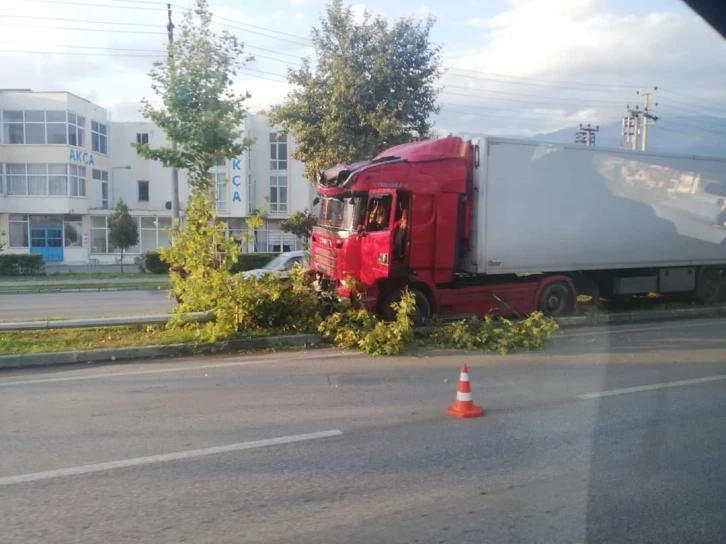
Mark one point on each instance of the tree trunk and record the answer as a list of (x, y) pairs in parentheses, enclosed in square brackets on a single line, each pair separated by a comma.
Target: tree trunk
[(122, 260)]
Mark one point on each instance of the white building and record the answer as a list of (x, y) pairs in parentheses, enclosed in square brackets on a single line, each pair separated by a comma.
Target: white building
[(63, 168)]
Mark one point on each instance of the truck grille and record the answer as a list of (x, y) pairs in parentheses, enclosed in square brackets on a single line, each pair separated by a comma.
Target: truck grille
[(325, 261)]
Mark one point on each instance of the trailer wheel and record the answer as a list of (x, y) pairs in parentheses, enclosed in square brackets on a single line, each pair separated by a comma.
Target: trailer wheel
[(423, 307), (710, 286), (556, 300)]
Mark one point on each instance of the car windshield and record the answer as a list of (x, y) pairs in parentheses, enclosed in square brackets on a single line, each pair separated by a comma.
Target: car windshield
[(342, 212), (277, 263)]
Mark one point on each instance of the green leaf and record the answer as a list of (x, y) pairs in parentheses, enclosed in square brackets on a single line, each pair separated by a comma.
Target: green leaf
[(374, 85)]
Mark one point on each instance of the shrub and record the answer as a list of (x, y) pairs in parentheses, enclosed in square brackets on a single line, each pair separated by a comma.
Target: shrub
[(154, 264), (357, 328), (21, 265), (500, 335)]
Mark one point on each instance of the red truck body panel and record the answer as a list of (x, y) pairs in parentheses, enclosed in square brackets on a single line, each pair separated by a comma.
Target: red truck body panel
[(432, 181)]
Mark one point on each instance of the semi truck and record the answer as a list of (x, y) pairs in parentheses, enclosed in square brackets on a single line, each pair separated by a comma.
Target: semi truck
[(512, 226)]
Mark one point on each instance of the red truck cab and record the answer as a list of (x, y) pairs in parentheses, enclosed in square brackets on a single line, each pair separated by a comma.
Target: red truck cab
[(404, 220)]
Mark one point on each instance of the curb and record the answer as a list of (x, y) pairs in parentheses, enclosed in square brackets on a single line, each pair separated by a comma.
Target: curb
[(306, 340), (644, 316), (79, 290), (152, 352), (96, 322)]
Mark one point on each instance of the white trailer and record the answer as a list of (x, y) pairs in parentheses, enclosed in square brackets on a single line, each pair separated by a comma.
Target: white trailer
[(630, 222)]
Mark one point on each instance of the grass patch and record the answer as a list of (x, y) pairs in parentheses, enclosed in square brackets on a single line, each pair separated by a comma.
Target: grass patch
[(54, 340), (57, 340), (49, 286), (81, 276), (30, 319)]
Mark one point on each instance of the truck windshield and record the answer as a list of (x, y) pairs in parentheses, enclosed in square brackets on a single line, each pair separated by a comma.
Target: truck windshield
[(342, 212)]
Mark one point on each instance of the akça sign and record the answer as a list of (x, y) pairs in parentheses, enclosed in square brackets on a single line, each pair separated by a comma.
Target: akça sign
[(236, 181), (82, 157)]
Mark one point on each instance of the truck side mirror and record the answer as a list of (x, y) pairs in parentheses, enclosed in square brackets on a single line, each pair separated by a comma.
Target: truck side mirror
[(316, 201)]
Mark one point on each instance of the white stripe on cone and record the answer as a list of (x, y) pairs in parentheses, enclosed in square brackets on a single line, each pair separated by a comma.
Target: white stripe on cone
[(464, 377), (463, 396)]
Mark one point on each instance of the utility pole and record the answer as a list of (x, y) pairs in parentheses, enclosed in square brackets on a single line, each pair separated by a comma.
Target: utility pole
[(631, 126), (647, 116), (174, 171), (586, 135)]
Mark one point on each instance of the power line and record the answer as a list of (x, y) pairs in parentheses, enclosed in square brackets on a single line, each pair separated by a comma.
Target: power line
[(160, 55), (607, 105), (722, 105), (65, 2), (594, 90), (84, 29), (78, 20), (543, 80)]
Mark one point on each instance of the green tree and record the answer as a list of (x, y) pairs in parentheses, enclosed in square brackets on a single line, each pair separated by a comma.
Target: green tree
[(123, 230), (301, 225), (374, 85), (201, 111)]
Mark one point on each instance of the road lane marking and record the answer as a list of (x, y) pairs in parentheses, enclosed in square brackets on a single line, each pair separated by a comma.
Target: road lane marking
[(652, 387), (136, 372), (176, 369), (163, 458), (624, 330)]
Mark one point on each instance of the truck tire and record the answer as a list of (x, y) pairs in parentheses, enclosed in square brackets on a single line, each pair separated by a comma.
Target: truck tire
[(423, 306), (710, 286), (556, 300)]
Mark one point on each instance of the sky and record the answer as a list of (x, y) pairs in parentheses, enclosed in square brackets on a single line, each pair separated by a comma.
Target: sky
[(513, 67)]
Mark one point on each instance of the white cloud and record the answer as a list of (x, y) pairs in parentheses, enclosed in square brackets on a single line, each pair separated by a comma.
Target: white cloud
[(588, 49)]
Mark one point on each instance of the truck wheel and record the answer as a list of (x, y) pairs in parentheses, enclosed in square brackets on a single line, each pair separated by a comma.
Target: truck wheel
[(423, 307), (710, 286), (556, 300)]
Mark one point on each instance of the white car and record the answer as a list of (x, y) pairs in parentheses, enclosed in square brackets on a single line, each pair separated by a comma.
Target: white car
[(280, 265)]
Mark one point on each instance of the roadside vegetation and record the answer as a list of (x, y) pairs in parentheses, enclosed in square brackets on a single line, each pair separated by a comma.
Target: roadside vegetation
[(351, 106), (56, 340)]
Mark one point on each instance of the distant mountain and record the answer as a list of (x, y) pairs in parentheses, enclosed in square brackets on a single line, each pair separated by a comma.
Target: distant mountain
[(688, 135), (691, 135)]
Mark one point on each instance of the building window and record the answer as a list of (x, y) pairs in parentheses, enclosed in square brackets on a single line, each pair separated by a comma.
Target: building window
[(99, 137), (143, 191), (17, 179), (142, 137), (73, 231), (56, 131), (46, 180), (278, 194), (76, 130), (102, 176), (278, 152), (58, 180), (13, 128), (77, 180), (220, 190), (99, 235), (2, 185), (18, 230), (35, 127), (152, 235)]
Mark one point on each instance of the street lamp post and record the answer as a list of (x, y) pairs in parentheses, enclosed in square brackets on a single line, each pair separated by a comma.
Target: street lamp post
[(112, 196)]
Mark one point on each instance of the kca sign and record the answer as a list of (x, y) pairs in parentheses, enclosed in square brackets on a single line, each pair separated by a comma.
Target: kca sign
[(82, 157), (237, 181)]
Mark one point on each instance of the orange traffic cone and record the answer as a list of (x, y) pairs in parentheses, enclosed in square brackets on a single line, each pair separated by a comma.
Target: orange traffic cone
[(464, 406)]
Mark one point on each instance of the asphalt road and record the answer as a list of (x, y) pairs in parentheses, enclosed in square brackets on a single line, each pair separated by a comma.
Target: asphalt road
[(121, 453), (83, 304)]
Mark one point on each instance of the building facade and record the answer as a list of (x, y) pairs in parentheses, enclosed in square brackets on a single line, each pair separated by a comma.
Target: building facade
[(64, 166)]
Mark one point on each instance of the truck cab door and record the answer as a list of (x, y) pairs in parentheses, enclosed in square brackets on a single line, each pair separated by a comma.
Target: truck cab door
[(376, 237)]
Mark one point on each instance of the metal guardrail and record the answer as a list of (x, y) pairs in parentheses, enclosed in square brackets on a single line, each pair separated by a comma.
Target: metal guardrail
[(200, 317)]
